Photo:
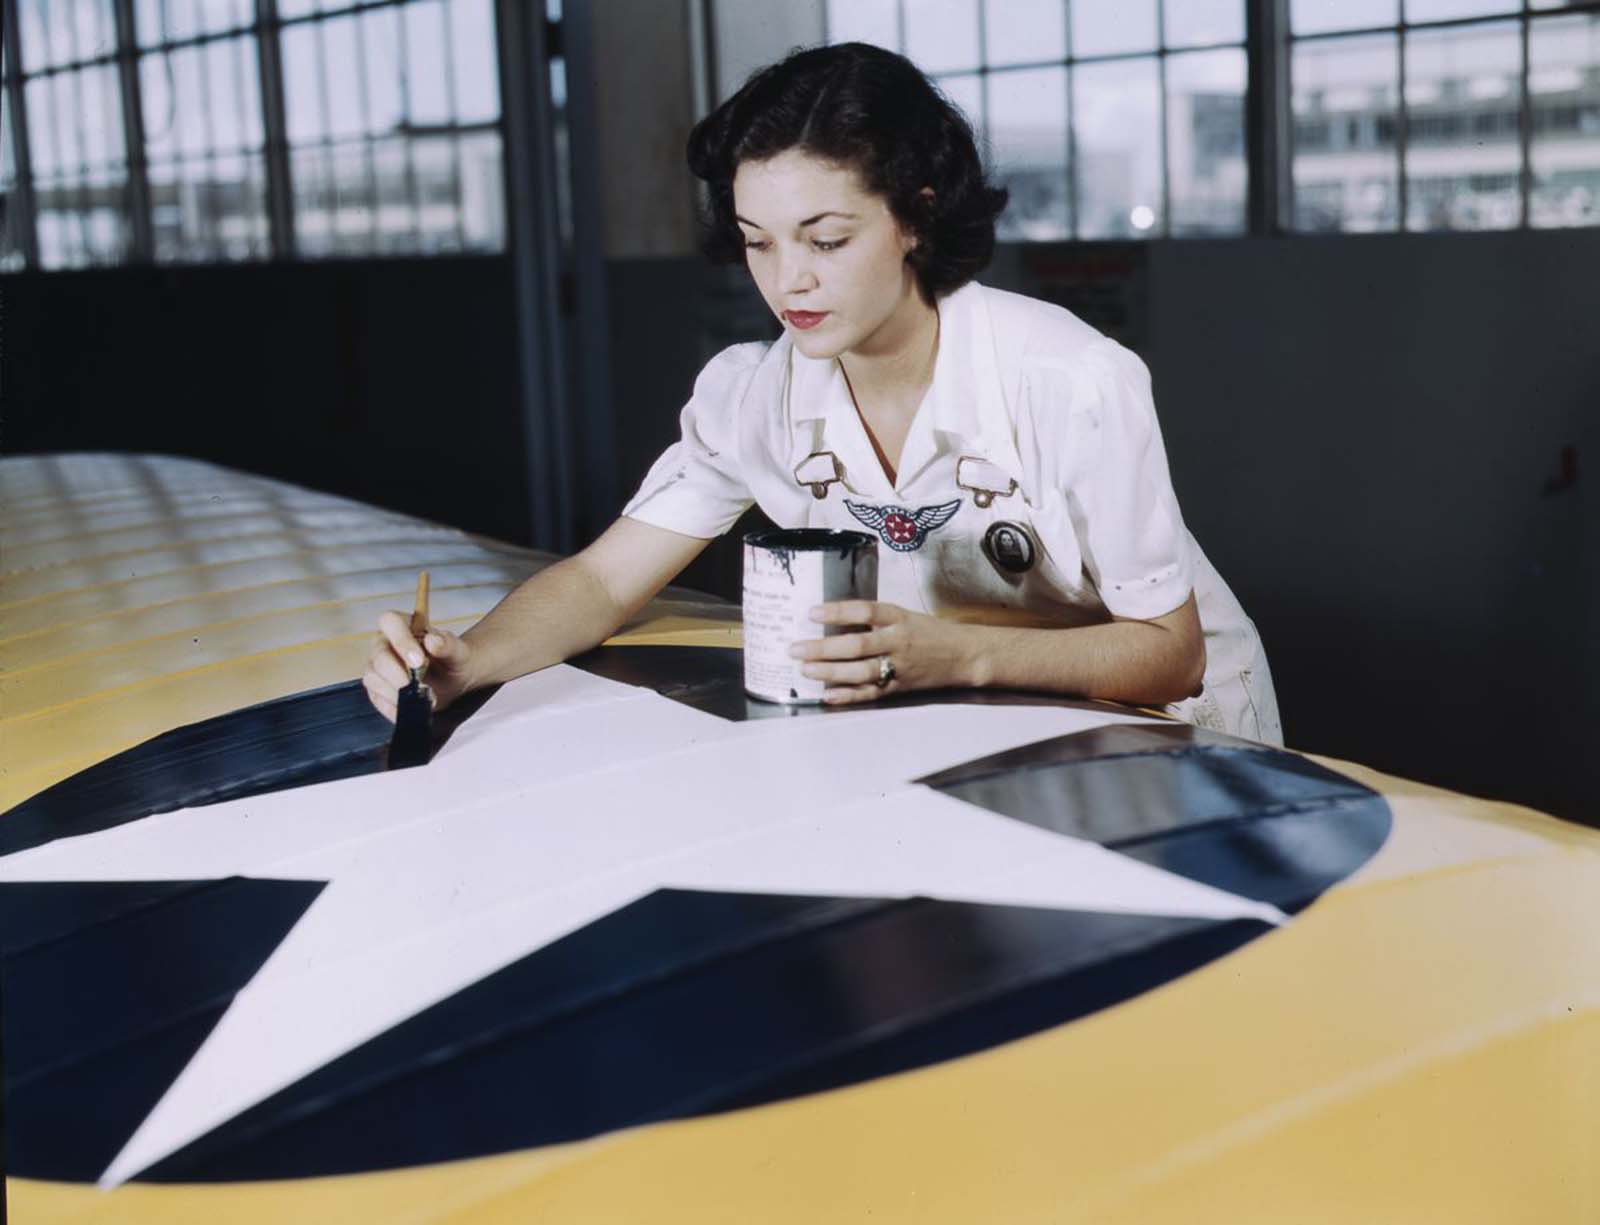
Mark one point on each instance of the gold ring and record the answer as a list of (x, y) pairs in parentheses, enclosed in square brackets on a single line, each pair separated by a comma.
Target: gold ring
[(885, 671)]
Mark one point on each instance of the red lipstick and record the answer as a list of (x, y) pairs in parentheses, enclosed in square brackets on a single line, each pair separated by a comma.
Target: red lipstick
[(804, 319)]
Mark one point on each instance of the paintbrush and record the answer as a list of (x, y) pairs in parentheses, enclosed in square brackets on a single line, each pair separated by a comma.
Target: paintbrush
[(413, 718)]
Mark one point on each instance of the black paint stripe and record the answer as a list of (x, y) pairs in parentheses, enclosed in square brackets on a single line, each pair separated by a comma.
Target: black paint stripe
[(892, 988), (312, 737), (1253, 820), (108, 989)]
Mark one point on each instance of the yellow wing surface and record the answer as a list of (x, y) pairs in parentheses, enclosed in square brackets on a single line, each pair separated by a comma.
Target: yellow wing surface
[(1420, 1044)]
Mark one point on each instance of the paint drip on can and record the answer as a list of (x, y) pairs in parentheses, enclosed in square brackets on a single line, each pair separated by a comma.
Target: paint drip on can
[(787, 573)]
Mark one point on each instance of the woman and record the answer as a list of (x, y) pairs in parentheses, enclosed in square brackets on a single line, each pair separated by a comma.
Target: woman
[(1006, 454)]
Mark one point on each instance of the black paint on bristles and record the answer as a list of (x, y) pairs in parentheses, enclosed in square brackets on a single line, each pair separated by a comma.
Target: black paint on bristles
[(412, 741)]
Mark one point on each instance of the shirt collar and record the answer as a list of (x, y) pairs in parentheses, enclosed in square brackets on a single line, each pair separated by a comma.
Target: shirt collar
[(965, 400)]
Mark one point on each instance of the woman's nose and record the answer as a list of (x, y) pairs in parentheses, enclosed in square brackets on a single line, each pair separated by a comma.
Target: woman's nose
[(795, 273)]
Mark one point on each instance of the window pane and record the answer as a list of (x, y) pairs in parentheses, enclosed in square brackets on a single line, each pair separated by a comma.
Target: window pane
[(99, 96), (1025, 31), (81, 221), (302, 84), (1443, 10), (1346, 161), (343, 65), (60, 228), (353, 199), (482, 198), (147, 22), (864, 21), (161, 20), (219, 15), (11, 259), (158, 86), (1195, 22), (313, 200), (167, 200), (477, 75), (425, 72), (1108, 27), (191, 110), (58, 32), (37, 104), (74, 121), (1117, 140), (105, 218), (235, 187), (233, 105), (1315, 16), (33, 34), (396, 200), (1028, 132), (942, 35), (1464, 109), (8, 155), (209, 209), (438, 188), (1208, 181), (385, 101), (1564, 86)]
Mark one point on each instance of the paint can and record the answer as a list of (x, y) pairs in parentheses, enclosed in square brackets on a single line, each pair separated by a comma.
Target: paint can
[(787, 573)]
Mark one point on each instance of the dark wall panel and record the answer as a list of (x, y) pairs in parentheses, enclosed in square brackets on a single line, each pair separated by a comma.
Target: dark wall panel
[(1387, 445), (393, 382)]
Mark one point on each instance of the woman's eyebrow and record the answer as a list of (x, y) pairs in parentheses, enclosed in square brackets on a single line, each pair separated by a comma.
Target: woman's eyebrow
[(808, 220)]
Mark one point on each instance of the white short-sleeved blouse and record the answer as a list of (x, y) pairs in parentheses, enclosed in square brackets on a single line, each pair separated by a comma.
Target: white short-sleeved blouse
[(1038, 436)]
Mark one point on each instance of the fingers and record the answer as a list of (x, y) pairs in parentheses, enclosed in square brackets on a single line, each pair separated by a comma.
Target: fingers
[(397, 633), (850, 695), (857, 612), (444, 646), (841, 646), (853, 672), (384, 664), (380, 696)]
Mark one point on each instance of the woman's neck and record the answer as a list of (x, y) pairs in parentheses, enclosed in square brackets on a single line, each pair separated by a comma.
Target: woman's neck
[(891, 370)]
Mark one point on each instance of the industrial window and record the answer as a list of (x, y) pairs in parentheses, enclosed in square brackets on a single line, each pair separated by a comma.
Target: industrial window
[(166, 128), (1126, 118), (1445, 114), (200, 103), (393, 126), (65, 99), (1104, 118)]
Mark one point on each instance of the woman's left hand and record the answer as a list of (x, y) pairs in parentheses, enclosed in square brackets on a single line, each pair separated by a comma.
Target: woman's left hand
[(923, 652)]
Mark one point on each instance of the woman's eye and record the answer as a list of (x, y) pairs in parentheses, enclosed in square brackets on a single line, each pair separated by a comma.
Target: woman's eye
[(751, 244), (821, 245)]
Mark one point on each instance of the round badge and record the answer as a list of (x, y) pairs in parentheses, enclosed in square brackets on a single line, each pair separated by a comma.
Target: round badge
[(1009, 546)]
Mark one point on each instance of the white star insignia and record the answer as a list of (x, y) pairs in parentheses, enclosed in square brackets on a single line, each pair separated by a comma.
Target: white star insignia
[(566, 798)]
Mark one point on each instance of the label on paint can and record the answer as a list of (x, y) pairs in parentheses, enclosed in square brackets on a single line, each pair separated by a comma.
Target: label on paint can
[(787, 573)]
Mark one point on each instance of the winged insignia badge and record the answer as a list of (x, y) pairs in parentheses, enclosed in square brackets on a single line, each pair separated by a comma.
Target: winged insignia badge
[(904, 530)]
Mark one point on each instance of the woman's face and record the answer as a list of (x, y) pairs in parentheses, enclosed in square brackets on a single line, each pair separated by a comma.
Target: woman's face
[(827, 255)]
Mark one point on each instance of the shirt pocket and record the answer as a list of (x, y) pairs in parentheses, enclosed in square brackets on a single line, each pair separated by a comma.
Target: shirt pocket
[(958, 574), (1060, 552)]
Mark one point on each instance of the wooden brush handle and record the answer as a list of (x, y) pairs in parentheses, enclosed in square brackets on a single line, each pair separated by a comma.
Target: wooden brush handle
[(419, 608)]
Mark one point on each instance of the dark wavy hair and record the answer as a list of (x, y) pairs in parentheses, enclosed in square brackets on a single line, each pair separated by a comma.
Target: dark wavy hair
[(860, 106)]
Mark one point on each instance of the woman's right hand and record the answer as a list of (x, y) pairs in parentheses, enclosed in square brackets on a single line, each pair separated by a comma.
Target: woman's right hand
[(397, 651)]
